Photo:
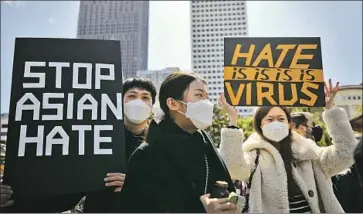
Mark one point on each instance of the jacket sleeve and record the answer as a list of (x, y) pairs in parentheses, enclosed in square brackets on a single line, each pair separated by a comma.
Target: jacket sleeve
[(138, 192), (339, 156), (238, 162)]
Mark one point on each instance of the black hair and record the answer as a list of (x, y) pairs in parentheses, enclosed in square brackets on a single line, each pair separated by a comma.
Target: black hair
[(140, 83), (285, 144), (174, 86), (284, 147), (299, 119)]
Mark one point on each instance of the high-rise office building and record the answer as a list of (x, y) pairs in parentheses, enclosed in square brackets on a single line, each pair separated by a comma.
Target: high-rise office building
[(157, 76), (211, 22), (127, 21), (4, 127), (4, 131)]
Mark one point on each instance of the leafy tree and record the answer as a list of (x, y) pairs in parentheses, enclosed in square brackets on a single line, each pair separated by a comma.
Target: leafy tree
[(359, 110), (220, 120), (246, 124)]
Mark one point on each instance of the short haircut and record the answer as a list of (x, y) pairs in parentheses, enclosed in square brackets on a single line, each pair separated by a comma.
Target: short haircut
[(139, 83), (174, 87), (299, 118)]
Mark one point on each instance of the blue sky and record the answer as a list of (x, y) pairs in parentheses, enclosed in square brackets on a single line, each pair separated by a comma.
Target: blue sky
[(339, 24)]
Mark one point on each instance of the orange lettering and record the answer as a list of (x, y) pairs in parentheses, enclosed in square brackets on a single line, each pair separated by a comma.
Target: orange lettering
[(305, 90), (282, 100), (268, 94), (285, 49), (237, 54), (266, 54), (234, 98), (299, 56)]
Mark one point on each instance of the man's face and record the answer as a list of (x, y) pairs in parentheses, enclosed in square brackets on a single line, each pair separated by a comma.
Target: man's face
[(137, 93), (307, 130)]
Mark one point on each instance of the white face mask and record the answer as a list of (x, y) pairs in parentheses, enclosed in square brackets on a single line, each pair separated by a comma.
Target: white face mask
[(200, 113), (275, 131), (137, 111)]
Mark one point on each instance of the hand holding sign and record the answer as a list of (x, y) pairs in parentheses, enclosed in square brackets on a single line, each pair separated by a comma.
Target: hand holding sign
[(231, 111), (330, 93), (65, 115), (115, 180), (5, 195)]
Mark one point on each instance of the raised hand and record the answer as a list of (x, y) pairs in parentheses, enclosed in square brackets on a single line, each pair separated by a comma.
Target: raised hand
[(5, 195), (231, 111), (330, 93)]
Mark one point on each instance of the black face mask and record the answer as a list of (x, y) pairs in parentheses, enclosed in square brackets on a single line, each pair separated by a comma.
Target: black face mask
[(317, 132)]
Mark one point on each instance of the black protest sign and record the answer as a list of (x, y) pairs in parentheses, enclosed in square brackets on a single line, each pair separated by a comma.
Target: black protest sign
[(66, 127), (273, 72)]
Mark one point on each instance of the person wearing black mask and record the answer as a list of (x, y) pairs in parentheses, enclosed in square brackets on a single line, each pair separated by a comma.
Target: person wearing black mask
[(346, 184), (303, 123), (139, 96)]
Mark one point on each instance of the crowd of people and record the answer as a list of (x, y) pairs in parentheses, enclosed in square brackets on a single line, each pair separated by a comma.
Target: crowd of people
[(173, 165)]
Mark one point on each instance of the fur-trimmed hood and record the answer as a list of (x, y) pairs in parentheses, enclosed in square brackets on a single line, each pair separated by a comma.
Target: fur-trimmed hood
[(312, 170), (302, 148)]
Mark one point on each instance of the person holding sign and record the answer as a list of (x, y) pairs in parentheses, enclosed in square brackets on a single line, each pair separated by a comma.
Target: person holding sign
[(293, 173), (177, 168), (139, 96)]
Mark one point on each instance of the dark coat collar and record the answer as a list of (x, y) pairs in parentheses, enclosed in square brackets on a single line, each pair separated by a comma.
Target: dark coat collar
[(183, 147)]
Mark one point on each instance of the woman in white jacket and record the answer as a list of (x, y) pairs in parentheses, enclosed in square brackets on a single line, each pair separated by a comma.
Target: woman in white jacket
[(293, 174)]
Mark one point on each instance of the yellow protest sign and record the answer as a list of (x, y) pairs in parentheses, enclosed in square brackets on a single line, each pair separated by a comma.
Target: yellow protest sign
[(273, 71)]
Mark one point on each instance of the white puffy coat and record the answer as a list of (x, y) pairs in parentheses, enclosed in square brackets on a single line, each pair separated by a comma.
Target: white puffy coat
[(312, 172)]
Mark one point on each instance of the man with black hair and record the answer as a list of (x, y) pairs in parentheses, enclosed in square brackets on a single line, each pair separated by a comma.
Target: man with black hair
[(346, 186), (304, 124), (139, 96)]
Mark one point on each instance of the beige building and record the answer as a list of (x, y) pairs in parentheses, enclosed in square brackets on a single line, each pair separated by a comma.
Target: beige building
[(3, 133), (350, 97), (157, 76)]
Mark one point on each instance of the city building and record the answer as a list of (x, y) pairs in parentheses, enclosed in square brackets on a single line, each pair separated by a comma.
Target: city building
[(350, 97), (4, 127), (126, 21), (157, 76), (3, 135), (211, 22)]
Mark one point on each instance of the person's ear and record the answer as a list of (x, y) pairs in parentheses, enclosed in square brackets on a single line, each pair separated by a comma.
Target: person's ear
[(291, 125), (172, 104)]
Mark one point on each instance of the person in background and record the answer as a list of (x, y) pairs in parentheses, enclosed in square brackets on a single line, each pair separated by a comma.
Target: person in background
[(358, 157), (293, 173), (346, 183), (348, 186), (304, 124), (139, 96), (177, 167)]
